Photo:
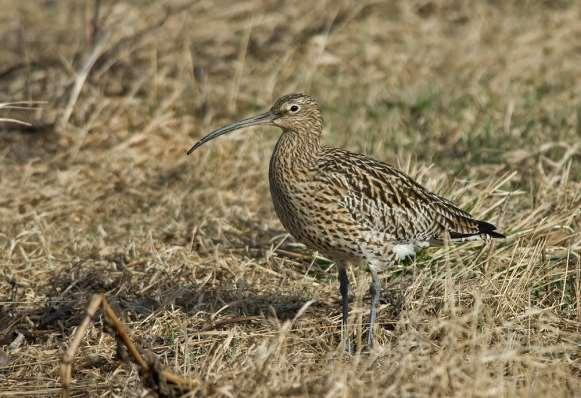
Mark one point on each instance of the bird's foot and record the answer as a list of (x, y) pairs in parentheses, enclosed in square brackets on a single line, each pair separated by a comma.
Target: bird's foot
[(348, 346), (370, 340), (347, 341)]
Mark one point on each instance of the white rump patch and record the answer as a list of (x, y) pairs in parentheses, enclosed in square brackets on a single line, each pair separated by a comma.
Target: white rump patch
[(404, 250)]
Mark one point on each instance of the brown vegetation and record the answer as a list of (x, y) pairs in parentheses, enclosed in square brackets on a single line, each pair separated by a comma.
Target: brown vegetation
[(479, 100)]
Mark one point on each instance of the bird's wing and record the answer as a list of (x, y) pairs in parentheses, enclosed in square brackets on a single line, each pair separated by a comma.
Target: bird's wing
[(383, 200)]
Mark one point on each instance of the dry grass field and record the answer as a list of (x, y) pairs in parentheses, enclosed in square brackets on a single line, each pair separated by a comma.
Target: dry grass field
[(480, 101)]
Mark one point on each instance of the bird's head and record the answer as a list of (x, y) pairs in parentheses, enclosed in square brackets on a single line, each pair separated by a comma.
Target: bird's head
[(299, 113), (293, 113)]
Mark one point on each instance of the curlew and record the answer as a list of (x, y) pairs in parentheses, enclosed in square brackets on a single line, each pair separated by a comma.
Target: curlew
[(348, 206)]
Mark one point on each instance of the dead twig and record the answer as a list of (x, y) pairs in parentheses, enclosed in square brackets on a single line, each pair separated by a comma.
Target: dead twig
[(81, 77), (161, 381), (19, 105)]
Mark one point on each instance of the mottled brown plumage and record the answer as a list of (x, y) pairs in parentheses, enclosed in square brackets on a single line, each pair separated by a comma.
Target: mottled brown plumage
[(349, 206)]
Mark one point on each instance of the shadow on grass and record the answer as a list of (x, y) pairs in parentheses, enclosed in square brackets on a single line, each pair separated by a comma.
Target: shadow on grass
[(71, 291)]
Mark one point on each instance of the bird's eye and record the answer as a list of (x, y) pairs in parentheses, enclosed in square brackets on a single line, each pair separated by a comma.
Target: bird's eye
[(294, 108)]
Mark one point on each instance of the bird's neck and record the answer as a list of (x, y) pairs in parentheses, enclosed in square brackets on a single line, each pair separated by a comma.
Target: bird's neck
[(297, 149)]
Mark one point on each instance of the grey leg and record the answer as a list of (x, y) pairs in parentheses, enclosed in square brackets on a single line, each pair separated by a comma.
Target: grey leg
[(344, 289), (374, 289)]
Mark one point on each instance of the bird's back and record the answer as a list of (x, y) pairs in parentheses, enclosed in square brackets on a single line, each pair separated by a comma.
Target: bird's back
[(382, 198)]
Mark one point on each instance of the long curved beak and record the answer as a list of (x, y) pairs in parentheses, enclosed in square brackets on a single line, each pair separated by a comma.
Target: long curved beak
[(264, 118)]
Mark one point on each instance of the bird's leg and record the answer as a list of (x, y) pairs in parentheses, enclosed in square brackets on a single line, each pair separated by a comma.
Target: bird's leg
[(374, 289), (344, 289)]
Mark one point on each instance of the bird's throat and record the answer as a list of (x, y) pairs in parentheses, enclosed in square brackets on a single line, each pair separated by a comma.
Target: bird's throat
[(297, 149)]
